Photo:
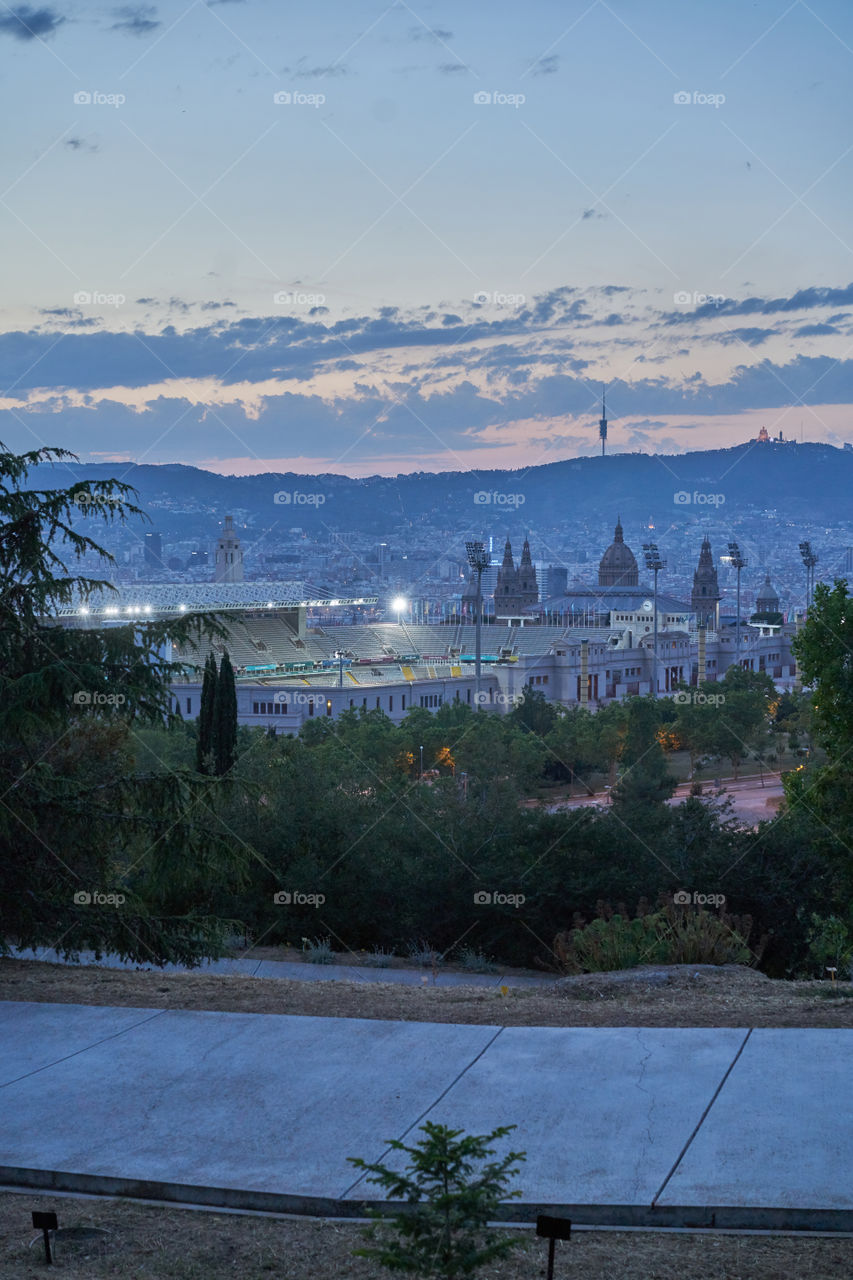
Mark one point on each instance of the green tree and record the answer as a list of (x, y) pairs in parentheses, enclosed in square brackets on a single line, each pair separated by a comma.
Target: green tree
[(645, 780), (453, 1191), (533, 713), (204, 743), (744, 715), (78, 822), (224, 728)]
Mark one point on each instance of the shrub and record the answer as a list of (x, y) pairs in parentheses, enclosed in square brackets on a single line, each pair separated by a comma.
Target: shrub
[(475, 962), (830, 946), (379, 958), (425, 955), (453, 1193), (671, 935), (318, 950)]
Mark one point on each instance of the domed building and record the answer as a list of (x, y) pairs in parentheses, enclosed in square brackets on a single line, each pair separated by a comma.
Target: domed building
[(767, 601), (618, 568)]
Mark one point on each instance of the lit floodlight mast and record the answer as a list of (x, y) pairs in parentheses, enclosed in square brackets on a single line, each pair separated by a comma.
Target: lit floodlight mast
[(478, 558), (739, 563), (809, 558), (655, 564)]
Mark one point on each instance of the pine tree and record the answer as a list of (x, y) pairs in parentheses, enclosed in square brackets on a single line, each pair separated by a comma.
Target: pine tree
[(204, 745), (224, 742)]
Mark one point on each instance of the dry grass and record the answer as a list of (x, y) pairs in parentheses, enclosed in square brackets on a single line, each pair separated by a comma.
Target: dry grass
[(728, 997), (154, 1243)]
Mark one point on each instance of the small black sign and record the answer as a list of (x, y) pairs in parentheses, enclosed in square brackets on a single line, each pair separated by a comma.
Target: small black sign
[(554, 1228)]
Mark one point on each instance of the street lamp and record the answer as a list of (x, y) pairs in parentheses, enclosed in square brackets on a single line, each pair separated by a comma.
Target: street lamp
[(654, 562), (478, 558), (421, 774), (809, 560), (739, 563)]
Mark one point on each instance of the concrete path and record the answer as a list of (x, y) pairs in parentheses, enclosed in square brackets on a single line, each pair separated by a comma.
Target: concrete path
[(300, 971), (621, 1125)]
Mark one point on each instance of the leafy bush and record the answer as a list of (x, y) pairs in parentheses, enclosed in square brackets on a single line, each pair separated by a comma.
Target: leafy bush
[(830, 945), (672, 935), (452, 1196), (379, 958)]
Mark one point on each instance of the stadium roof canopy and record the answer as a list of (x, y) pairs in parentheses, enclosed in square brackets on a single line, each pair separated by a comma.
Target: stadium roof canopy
[(139, 600)]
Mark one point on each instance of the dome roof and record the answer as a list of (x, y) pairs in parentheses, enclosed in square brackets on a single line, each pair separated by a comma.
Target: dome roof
[(618, 568), (767, 601)]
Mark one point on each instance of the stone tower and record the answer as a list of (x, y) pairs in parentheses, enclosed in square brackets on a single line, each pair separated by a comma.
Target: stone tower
[(229, 555), (516, 589), (705, 598)]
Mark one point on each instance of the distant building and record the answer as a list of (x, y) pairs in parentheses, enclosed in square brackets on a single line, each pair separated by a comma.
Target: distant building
[(153, 551), (229, 555)]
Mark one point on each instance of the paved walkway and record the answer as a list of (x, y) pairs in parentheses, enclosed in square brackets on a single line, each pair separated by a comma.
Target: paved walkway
[(301, 971), (621, 1125)]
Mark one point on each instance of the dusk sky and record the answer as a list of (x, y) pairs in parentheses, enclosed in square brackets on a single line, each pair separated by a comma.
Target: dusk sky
[(366, 238)]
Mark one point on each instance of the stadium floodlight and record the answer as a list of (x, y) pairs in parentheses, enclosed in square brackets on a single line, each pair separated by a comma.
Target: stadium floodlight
[(738, 561), (809, 558), (399, 604), (478, 558), (655, 564)]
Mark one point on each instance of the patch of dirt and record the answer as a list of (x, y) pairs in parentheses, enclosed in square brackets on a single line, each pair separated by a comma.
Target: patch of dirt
[(155, 1243), (728, 996)]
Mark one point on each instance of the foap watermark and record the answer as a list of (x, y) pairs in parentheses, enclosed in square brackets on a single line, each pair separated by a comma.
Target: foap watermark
[(686, 298), (88, 698), (297, 298), (497, 99), (83, 898), (484, 898), (495, 498), (696, 98), (95, 298), (94, 98), (699, 698), (295, 898), (684, 899), (87, 499), (485, 698), (495, 298), (295, 98), (682, 498), (299, 697), (293, 497)]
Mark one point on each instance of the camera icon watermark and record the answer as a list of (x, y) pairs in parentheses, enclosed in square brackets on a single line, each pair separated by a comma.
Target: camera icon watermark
[(485, 898), (498, 99), (695, 98), (294, 898), (298, 298), (94, 98), (682, 498), (682, 898), (698, 698), (486, 498), (288, 497), (295, 98), (95, 298), (82, 898), (684, 298)]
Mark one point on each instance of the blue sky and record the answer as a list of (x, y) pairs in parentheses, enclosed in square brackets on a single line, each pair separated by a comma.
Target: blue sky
[(432, 252)]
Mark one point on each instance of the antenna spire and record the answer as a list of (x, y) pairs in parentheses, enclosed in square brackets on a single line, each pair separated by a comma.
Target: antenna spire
[(602, 422)]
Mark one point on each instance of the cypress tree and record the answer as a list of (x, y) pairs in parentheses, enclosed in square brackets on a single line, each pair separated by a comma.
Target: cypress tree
[(204, 745), (224, 717)]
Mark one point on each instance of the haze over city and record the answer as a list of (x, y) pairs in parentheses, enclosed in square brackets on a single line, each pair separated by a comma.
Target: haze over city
[(372, 239)]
